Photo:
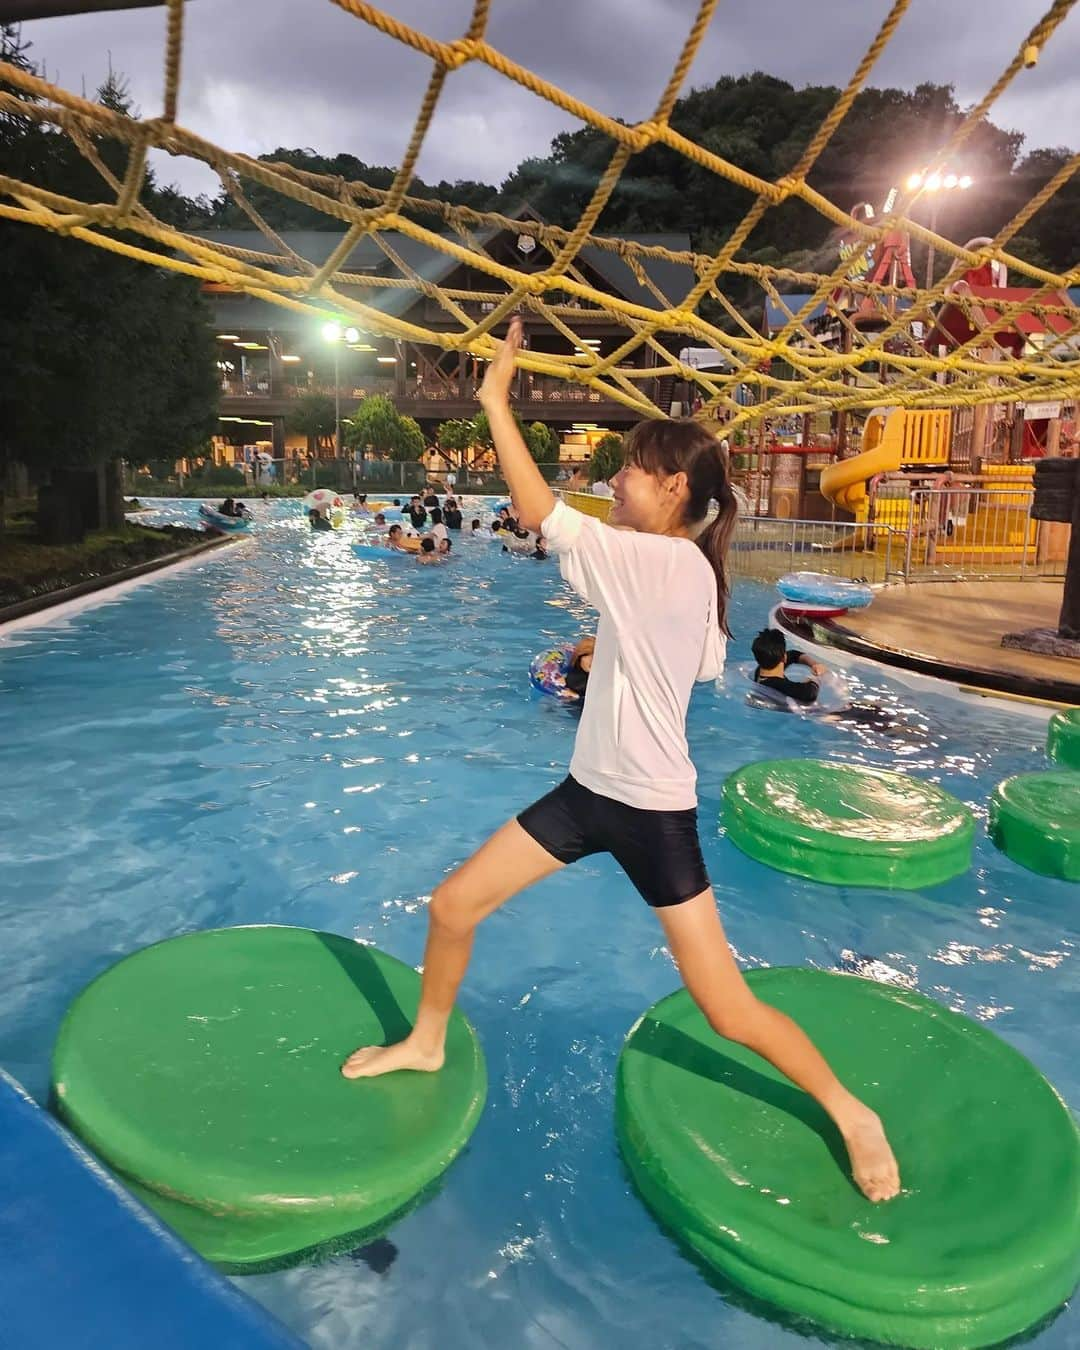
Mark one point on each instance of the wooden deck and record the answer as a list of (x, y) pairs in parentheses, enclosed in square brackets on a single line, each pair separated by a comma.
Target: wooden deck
[(959, 625)]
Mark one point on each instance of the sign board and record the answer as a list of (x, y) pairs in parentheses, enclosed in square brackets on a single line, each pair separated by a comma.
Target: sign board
[(1038, 412)]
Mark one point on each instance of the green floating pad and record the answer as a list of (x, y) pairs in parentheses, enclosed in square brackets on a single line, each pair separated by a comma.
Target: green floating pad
[(847, 823), (1063, 738), (984, 1240), (205, 1071), (1035, 820)]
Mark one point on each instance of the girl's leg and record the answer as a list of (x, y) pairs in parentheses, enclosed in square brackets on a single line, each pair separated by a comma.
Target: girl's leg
[(699, 945), (509, 861)]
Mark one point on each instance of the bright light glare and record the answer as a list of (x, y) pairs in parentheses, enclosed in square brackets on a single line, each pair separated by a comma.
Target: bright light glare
[(914, 182), (950, 180), (933, 183), (964, 181), (331, 332), (352, 334)]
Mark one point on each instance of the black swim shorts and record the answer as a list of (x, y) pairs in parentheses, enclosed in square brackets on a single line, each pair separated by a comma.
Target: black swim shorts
[(658, 850)]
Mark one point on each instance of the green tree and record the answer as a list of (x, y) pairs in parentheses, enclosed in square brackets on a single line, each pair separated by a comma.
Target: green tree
[(101, 358), (607, 458), (455, 437), (482, 438), (315, 417), (543, 443), (376, 424), (411, 443)]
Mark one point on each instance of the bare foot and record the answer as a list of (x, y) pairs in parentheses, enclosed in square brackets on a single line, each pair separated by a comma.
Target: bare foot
[(372, 1060), (873, 1164)]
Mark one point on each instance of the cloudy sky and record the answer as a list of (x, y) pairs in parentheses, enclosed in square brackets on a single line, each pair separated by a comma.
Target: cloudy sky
[(259, 74)]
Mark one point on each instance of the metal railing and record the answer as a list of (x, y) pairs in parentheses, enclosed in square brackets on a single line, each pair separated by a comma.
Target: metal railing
[(949, 532), (980, 531), (764, 548), (541, 390)]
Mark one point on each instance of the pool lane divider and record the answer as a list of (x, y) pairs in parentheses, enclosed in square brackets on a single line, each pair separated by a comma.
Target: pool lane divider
[(205, 1071)]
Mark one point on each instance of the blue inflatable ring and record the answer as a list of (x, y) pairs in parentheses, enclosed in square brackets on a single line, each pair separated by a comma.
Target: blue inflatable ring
[(833, 695), (819, 590), (224, 524), (547, 672)]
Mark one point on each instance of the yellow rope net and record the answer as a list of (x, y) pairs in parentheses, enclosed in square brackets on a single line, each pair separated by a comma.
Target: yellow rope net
[(790, 371)]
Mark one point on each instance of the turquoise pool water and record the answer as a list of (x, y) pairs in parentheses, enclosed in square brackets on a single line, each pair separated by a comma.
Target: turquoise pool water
[(286, 734)]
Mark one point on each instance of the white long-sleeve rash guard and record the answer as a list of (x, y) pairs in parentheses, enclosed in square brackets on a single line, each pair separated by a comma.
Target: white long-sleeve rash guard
[(658, 633)]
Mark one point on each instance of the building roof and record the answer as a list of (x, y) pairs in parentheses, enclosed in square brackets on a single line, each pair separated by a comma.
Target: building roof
[(674, 280), (776, 317), (987, 303), (1024, 321)]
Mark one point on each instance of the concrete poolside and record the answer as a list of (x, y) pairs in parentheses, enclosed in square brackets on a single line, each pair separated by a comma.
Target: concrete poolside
[(953, 629)]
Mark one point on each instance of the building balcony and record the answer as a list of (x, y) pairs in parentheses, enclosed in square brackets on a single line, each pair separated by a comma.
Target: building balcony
[(435, 316), (539, 398)]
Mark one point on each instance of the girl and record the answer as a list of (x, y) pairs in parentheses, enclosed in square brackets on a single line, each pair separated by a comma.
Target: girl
[(659, 585)]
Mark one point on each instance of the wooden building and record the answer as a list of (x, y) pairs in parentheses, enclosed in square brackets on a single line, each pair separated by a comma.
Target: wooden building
[(269, 356)]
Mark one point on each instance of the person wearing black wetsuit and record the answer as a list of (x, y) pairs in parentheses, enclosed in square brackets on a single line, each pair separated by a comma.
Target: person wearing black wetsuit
[(772, 662)]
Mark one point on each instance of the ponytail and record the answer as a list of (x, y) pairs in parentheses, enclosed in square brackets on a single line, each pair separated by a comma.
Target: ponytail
[(678, 445), (715, 540)]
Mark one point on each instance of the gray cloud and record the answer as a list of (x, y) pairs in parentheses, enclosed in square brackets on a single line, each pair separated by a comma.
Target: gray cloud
[(262, 73)]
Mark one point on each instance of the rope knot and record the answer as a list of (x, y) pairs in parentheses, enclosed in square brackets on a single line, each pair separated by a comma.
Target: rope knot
[(645, 134), (461, 52)]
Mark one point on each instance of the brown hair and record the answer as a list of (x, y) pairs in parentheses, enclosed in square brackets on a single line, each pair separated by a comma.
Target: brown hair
[(668, 446)]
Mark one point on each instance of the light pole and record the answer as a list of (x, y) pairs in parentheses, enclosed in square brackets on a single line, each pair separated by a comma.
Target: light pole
[(933, 183), (333, 333)]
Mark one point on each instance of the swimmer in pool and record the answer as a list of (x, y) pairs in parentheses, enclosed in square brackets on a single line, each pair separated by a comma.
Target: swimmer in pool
[(428, 551), (577, 673), (773, 660)]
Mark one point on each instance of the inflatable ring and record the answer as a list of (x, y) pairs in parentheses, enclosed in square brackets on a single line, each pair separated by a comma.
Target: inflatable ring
[(223, 524), (848, 824), (1035, 820), (814, 592), (205, 1070), (833, 695), (547, 672), (1063, 738), (982, 1243), (377, 551)]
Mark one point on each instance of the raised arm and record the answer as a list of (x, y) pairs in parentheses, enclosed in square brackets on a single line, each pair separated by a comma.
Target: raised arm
[(532, 498)]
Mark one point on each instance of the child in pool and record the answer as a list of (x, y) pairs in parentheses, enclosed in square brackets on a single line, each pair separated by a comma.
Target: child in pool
[(773, 659), (428, 551), (577, 673), (659, 583)]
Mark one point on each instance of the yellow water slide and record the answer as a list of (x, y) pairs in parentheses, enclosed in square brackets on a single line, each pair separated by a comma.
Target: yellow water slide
[(893, 439)]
